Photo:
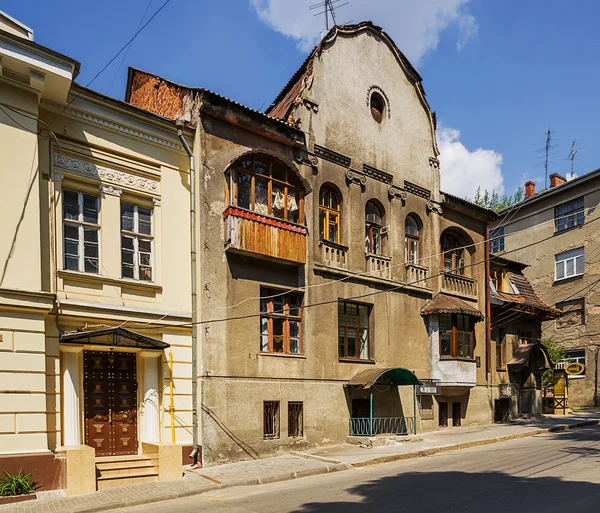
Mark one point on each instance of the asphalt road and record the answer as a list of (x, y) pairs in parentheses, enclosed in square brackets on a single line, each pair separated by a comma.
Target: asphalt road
[(547, 473)]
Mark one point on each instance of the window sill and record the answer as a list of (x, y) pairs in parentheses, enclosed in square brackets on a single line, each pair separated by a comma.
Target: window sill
[(98, 278), (568, 229), (558, 281), (284, 355), (333, 245), (355, 360), (457, 358)]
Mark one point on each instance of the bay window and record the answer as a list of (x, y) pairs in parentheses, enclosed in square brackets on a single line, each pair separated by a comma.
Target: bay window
[(457, 336), (136, 242), (80, 231)]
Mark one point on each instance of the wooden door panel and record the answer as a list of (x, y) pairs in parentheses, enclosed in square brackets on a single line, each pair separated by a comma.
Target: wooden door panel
[(97, 402), (124, 405)]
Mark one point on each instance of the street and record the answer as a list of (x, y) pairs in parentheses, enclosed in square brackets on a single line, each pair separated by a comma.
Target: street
[(554, 472)]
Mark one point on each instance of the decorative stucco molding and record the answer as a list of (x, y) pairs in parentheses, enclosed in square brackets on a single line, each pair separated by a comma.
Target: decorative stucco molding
[(434, 207), (109, 189), (434, 162), (156, 202), (396, 192), (377, 174), (311, 104), (332, 156), (356, 177), (106, 174), (58, 177)]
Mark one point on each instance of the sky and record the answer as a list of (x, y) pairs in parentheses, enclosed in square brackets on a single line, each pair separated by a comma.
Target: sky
[(498, 74)]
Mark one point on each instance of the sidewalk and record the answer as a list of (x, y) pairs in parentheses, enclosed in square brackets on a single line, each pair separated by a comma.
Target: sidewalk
[(299, 464)]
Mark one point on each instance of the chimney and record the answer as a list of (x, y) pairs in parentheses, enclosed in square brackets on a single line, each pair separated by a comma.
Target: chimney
[(556, 179), (529, 189)]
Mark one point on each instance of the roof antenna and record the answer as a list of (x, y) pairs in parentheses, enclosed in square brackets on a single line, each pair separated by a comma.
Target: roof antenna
[(547, 146), (330, 8)]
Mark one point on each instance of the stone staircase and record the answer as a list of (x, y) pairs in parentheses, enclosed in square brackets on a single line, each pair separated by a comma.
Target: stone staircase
[(112, 471)]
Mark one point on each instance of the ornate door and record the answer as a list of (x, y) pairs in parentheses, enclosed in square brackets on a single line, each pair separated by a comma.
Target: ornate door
[(110, 388)]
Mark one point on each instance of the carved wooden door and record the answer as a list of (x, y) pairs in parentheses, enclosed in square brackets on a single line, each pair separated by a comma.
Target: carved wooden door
[(110, 387)]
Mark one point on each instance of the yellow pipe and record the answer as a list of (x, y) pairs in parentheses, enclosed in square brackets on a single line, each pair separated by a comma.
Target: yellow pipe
[(171, 404)]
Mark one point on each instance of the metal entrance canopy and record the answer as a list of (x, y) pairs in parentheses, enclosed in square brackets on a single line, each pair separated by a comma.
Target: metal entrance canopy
[(113, 337), (524, 352)]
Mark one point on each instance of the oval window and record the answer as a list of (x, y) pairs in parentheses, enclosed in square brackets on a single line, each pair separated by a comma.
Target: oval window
[(377, 107)]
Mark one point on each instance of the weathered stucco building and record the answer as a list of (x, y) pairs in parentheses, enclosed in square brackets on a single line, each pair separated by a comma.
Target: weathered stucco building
[(326, 250), (94, 283), (555, 233)]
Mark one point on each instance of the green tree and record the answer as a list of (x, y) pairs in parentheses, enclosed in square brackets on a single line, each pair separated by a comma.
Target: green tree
[(495, 201), (556, 353)]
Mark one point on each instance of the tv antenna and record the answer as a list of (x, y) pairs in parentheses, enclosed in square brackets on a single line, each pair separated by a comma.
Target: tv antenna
[(546, 149), (329, 7)]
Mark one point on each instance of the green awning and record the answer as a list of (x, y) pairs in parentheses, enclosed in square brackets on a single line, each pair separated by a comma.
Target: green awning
[(390, 376)]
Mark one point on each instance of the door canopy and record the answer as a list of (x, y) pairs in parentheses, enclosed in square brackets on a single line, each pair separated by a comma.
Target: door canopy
[(113, 337), (390, 376)]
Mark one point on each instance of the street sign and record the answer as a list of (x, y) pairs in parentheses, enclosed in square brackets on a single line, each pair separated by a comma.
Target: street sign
[(429, 387), (575, 369)]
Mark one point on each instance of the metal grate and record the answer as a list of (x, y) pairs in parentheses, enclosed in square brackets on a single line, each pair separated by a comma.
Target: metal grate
[(271, 419), (295, 419)]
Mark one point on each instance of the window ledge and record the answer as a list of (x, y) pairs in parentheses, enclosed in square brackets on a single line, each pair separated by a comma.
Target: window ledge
[(98, 278), (453, 358), (568, 278), (568, 229), (284, 355), (355, 360), (375, 255), (334, 245)]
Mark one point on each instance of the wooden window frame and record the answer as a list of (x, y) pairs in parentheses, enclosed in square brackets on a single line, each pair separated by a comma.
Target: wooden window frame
[(570, 211), (275, 431), (454, 338), (408, 237), (328, 211), (136, 236), (287, 185), (295, 419), (270, 315), (457, 254), (81, 226), (373, 228), (357, 328), (497, 240)]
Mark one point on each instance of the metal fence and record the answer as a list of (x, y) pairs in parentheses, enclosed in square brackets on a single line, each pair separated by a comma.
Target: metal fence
[(382, 426)]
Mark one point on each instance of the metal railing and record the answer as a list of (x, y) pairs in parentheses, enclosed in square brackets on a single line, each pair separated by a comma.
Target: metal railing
[(382, 426)]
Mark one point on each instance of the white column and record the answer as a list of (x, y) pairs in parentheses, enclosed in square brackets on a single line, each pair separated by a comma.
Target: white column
[(150, 420), (70, 395)]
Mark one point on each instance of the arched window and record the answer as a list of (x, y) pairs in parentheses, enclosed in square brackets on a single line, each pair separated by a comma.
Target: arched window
[(453, 254), (266, 186), (373, 227), (329, 215), (412, 238)]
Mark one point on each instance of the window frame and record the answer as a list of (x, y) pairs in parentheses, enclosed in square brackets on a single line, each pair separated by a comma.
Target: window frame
[(500, 349), (81, 226), (454, 338), (408, 238), (497, 240), (374, 230), (572, 211), (136, 235), (563, 263), (328, 211), (457, 254), (288, 184), (357, 328), (276, 420), (270, 315), (296, 419)]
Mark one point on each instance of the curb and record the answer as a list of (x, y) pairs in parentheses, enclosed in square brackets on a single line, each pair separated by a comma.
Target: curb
[(332, 466)]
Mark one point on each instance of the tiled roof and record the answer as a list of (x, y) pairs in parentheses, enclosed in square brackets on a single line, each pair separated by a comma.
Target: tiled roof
[(526, 296), (442, 303)]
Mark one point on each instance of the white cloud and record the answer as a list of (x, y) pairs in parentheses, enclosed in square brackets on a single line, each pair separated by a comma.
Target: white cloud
[(414, 26), (463, 171)]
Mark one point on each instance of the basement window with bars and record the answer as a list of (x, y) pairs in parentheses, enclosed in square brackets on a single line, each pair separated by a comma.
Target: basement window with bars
[(136, 242), (271, 419), (295, 419), (280, 321), (81, 232)]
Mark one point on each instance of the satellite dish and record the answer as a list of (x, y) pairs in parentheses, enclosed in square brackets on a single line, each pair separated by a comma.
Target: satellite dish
[(575, 369)]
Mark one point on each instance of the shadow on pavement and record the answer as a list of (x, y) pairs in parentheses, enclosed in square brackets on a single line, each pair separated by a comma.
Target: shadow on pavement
[(490, 492)]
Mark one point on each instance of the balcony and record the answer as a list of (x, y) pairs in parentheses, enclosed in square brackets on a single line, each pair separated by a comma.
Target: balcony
[(379, 266), (454, 372), (264, 236), (416, 275), (334, 255), (461, 285)]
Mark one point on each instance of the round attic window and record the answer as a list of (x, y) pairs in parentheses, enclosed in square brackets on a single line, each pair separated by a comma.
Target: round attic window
[(377, 105)]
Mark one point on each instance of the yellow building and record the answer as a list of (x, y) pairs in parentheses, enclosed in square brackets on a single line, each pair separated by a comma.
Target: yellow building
[(94, 278)]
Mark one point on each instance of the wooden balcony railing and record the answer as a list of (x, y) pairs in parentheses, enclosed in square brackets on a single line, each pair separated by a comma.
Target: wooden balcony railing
[(416, 275), (259, 235), (379, 266), (459, 284), (334, 255)]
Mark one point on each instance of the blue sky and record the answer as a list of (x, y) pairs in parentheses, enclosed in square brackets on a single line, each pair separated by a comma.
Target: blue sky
[(498, 74)]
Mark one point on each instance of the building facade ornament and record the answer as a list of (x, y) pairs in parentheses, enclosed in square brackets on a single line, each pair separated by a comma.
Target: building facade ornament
[(58, 177), (354, 176), (106, 174), (385, 97), (434, 207), (156, 202), (109, 189), (332, 156), (396, 192), (434, 162)]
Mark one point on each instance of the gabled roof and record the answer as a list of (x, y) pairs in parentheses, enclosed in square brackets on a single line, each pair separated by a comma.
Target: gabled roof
[(114, 337)]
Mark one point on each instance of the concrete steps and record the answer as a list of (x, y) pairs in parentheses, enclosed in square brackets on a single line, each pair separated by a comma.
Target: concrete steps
[(112, 471)]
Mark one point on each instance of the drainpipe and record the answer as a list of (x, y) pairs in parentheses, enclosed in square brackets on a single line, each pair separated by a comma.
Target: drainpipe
[(196, 450), (488, 309)]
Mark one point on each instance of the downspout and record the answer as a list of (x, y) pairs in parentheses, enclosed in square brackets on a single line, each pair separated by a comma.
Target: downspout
[(488, 309), (196, 450)]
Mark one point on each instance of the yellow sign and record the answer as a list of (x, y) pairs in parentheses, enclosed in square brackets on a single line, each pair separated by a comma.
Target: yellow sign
[(575, 369)]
